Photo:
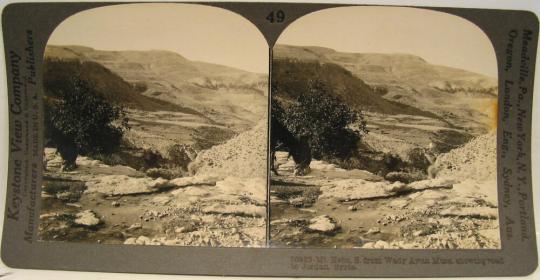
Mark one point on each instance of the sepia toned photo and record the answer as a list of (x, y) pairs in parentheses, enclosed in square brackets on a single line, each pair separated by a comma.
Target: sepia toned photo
[(383, 132), (155, 128)]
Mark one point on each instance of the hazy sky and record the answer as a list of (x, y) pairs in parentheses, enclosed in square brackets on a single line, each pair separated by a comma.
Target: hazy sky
[(196, 32), (439, 38)]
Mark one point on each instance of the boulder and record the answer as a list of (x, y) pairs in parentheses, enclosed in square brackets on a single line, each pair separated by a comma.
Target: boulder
[(323, 224), (87, 218)]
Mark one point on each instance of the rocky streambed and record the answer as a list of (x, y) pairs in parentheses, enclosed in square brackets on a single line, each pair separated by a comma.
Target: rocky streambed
[(332, 207), (99, 203)]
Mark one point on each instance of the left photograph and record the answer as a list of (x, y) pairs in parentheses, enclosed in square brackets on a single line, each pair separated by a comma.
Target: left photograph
[(155, 128)]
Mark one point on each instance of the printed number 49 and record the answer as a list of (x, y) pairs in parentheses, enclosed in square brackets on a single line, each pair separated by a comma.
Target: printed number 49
[(276, 16)]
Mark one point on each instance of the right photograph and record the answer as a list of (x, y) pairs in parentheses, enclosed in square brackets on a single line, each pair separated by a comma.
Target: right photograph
[(383, 132)]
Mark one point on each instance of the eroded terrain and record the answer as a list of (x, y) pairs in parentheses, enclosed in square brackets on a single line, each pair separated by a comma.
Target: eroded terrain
[(223, 203), (333, 207)]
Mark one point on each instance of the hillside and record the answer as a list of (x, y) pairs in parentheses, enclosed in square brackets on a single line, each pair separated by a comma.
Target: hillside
[(113, 88), (290, 78), (461, 97), (221, 93)]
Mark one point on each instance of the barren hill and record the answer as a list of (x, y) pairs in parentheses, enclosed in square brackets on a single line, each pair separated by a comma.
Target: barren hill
[(57, 73), (290, 78), (464, 98), (222, 93)]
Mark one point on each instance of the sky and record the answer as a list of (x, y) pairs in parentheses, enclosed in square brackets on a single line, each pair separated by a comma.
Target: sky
[(218, 36), (196, 32), (439, 38)]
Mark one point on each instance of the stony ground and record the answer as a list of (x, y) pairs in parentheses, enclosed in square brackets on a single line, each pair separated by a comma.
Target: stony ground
[(99, 203), (332, 207)]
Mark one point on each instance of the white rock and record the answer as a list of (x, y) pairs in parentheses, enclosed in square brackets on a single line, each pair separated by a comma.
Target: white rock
[(180, 229), (381, 245), (357, 189), (399, 203), (125, 185), (135, 226), (323, 224), (143, 240), (76, 205), (373, 230), (161, 200), (87, 218), (252, 188), (47, 215), (431, 184), (369, 245), (130, 241), (194, 180)]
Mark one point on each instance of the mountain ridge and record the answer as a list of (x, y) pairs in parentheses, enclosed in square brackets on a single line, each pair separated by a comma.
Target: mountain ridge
[(221, 93), (464, 98)]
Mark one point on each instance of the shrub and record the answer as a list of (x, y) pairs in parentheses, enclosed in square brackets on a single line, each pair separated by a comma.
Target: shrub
[(180, 155), (405, 177), (80, 121), (151, 158), (164, 173), (333, 129), (110, 159), (392, 162), (418, 159)]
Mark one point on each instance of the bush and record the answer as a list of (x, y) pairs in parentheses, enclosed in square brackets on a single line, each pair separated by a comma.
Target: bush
[(392, 162), (324, 120), (405, 177), (110, 159), (151, 159), (80, 121), (164, 173), (180, 155), (418, 159)]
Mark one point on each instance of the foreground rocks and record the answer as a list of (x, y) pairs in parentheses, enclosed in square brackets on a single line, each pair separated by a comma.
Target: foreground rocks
[(360, 189), (352, 209), (120, 205)]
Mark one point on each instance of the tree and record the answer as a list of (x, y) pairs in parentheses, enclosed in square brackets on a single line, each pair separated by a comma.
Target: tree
[(332, 127), (78, 120)]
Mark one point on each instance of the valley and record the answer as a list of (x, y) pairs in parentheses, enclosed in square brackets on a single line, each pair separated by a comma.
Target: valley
[(175, 179), (424, 174)]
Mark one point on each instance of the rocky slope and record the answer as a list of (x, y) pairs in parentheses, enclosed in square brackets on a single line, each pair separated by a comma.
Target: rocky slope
[(57, 76), (224, 94), (463, 98), (291, 77), (243, 156), (332, 207), (476, 160)]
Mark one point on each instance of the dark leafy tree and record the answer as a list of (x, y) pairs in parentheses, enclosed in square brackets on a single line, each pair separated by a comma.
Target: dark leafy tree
[(78, 120), (333, 128)]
